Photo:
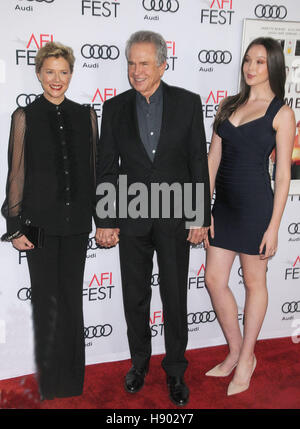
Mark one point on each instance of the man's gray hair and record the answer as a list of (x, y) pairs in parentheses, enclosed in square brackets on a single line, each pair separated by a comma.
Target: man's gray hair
[(149, 37)]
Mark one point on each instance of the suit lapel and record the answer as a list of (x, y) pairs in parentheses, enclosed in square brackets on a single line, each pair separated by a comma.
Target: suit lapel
[(166, 120)]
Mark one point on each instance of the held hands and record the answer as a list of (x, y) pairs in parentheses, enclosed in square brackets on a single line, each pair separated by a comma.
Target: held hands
[(22, 243), (268, 245), (197, 235), (107, 237)]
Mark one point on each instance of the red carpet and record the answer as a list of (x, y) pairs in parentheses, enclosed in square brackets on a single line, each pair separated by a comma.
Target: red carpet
[(275, 384)]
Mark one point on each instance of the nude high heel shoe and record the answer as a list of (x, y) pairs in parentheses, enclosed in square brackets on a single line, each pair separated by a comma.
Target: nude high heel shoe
[(218, 372), (234, 389)]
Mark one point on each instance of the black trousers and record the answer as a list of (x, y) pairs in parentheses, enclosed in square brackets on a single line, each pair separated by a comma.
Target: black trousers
[(56, 273), (136, 259)]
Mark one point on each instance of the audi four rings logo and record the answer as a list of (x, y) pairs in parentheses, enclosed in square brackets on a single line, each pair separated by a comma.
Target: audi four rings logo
[(97, 331), (294, 228), (291, 307), (25, 99), (41, 1), (24, 294), (98, 52), (203, 317), (214, 57), (270, 11), (92, 245), (161, 5), (154, 280)]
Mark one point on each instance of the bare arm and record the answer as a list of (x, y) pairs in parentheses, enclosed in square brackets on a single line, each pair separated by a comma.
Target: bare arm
[(285, 126), (214, 158), (199, 170)]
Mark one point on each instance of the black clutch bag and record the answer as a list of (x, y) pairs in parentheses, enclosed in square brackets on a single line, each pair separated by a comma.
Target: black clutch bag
[(34, 234)]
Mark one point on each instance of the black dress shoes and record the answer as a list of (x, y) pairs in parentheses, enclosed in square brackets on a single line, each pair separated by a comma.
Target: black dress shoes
[(178, 390), (134, 379)]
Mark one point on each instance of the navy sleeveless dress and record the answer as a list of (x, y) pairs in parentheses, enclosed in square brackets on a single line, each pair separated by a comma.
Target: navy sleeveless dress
[(244, 198)]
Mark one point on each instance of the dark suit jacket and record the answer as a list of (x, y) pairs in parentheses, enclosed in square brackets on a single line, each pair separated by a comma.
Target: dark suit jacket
[(180, 155)]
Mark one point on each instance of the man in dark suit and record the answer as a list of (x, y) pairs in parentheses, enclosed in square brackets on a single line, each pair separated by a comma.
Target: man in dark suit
[(153, 134)]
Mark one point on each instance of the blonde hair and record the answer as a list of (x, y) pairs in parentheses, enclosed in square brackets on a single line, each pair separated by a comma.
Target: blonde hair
[(54, 49)]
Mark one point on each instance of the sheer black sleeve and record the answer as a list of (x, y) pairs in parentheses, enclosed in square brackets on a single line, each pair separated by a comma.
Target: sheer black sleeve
[(12, 205)]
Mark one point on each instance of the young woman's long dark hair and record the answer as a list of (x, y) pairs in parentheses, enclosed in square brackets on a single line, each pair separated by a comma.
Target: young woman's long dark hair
[(277, 77)]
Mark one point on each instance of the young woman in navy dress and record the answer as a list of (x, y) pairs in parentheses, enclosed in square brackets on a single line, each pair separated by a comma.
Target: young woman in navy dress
[(246, 214)]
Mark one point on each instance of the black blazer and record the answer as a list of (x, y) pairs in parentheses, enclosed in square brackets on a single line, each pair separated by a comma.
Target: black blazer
[(180, 157)]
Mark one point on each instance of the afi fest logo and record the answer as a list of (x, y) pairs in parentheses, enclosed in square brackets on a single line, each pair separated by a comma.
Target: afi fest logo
[(35, 42), (104, 9), (293, 273), (220, 12), (212, 102), (198, 281), (99, 288), (171, 46), (99, 97), (157, 323)]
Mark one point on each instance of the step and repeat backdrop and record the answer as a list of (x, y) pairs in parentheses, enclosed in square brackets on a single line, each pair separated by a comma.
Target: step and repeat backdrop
[(205, 41)]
